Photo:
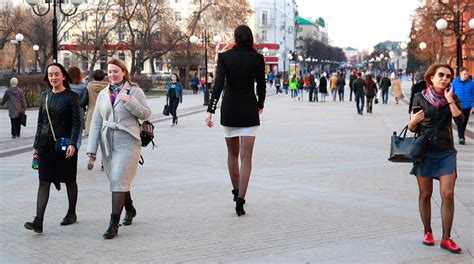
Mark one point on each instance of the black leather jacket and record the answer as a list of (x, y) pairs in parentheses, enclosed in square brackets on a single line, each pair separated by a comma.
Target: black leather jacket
[(64, 110), (437, 124)]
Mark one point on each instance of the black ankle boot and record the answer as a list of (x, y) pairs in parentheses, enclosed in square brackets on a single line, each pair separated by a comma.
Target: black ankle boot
[(235, 192), (69, 219), (113, 227), (130, 213), (36, 225), (239, 206)]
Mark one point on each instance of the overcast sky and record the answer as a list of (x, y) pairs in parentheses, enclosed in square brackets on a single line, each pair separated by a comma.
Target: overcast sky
[(361, 23)]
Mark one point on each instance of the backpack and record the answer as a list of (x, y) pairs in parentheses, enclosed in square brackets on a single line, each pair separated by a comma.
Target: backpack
[(146, 135)]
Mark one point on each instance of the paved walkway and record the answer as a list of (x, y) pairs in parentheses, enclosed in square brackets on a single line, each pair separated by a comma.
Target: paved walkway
[(322, 190)]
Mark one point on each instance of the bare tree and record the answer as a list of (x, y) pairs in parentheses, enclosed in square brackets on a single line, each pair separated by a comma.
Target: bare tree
[(10, 20)]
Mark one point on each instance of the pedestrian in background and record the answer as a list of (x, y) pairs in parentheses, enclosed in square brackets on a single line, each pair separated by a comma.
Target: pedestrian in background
[(416, 88), (370, 92), (333, 86), (174, 96), (340, 86), (240, 68), (294, 86), (323, 87), (15, 98), (278, 84), (436, 107), (115, 127), (385, 84), (78, 87), (464, 88), (352, 78), (359, 90), (286, 83), (396, 88), (57, 133), (93, 89), (312, 87), (300, 87), (195, 83)]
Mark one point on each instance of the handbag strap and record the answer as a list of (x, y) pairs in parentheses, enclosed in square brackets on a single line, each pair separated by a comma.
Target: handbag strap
[(49, 118), (403, 132)]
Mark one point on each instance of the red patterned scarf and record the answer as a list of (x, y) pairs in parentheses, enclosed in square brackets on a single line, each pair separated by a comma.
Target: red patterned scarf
[(437, 100)]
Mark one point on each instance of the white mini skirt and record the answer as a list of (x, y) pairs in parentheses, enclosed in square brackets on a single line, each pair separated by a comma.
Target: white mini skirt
[(240, 131)]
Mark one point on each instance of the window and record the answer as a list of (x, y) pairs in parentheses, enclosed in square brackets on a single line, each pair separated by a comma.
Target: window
[(65, 36), (264, 18), (177, 16), (264, 35), (66, 60)]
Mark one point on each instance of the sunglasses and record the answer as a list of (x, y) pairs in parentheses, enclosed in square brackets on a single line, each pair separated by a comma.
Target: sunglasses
[(442, 74)]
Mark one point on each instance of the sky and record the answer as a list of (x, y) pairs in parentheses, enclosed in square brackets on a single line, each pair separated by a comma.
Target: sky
[(361, 24)]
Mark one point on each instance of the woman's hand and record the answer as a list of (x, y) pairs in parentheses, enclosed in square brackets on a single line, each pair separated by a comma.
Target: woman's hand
[(260, 111), (448, 94), (70, 151), (415, 119), (124, 97), (209, 122)]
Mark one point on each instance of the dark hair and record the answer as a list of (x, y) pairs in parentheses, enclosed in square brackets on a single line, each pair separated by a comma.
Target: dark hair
[(67, 78), (243, 36), (177, 78), (75, 74), (462, 69), (432, 70), (359, 74), (98, 75)]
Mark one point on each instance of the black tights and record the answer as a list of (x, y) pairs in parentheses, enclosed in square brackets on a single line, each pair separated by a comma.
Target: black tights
[(119, 200), (240, 177), (425, 185), (43, 197)]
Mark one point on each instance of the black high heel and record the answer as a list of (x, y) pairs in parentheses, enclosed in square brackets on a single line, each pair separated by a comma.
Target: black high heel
[(113, 227), (235, 192), (239, 206), (130, 213)]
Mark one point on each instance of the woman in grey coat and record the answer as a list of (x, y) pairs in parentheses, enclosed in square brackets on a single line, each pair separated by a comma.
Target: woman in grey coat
[(16, 106), (115, 127)]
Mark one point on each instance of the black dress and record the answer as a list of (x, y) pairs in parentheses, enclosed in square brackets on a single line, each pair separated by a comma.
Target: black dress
[(64, 111)]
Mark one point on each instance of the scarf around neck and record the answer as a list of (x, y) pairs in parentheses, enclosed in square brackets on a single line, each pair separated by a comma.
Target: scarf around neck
[(114, 90), (437, 100)]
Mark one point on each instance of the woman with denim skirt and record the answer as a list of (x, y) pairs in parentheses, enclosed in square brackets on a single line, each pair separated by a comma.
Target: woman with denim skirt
[(432, 112)]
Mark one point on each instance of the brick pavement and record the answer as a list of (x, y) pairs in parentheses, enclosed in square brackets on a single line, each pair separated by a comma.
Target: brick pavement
[(321, 191)]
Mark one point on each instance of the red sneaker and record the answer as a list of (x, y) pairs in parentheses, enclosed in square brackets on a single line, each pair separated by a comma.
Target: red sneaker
[(428, 239), (450, 245)]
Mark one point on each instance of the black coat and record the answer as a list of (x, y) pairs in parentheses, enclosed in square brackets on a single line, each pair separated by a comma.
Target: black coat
[(359, 86), (65, 113), (437, 124), (239, 68), (323, 85)]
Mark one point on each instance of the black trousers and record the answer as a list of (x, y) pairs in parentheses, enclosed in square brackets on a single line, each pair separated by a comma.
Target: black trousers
[(174, 102), (311, 92), (16, 126), (462, 128)]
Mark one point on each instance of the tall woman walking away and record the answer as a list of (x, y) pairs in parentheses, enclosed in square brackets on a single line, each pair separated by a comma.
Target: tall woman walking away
[(115, 126), (239, 68), (435, 108), (59, 118)]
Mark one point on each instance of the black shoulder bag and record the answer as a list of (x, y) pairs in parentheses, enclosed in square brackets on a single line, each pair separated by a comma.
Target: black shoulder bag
[(408, 149)]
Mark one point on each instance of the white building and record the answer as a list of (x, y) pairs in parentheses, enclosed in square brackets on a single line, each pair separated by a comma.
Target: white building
[(274, 28)]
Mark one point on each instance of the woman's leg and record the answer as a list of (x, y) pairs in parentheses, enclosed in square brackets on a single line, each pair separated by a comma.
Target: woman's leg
[(42, 199), (118, 202), (233, 147), (447, 183), (425, 186), (71, 188), (246, 150), (173, 107)]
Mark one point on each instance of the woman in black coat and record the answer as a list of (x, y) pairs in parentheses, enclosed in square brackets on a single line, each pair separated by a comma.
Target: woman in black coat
[(239, 68)]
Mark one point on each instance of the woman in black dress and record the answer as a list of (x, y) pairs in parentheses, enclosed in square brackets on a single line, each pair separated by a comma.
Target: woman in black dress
[(59, 124), (239, 68)]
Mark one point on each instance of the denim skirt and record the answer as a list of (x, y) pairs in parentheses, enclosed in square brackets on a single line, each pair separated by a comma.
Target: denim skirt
[(436, 164)]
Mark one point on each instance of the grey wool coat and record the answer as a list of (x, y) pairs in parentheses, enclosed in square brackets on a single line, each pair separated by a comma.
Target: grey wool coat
[(116, 129)]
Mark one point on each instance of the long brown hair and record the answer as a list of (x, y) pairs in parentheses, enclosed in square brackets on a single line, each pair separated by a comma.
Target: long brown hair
[(432, 70), (67, 78), (121, 64), (75, 74)]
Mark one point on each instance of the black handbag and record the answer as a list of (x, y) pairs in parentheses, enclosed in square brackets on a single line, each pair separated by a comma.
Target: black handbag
[(23, 119), (166, 110), (407, 149)]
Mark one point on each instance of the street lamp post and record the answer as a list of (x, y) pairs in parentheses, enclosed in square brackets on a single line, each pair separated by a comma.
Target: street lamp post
[(442, 24), (19, 38), (36, 48), (193, 39), (55, 3)]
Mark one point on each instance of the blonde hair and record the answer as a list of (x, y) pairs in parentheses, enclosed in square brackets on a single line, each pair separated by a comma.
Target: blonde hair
[(121, 64)]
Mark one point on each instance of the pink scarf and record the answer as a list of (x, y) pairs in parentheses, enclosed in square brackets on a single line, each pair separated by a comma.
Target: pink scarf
[(437, 100)]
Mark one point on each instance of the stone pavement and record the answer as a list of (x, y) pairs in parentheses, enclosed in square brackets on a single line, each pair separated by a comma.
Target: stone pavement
[(321, 191)]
